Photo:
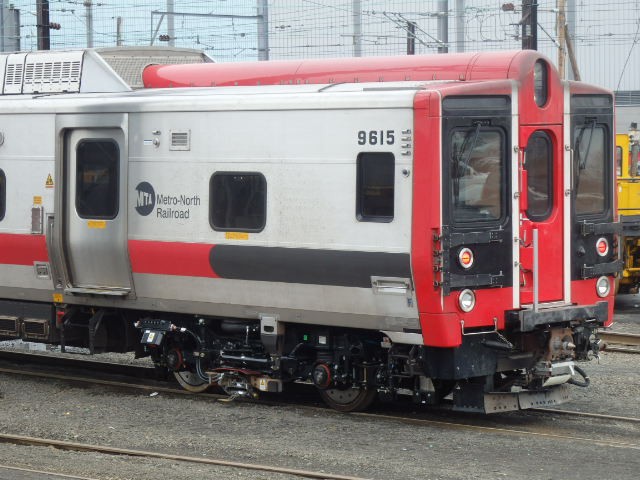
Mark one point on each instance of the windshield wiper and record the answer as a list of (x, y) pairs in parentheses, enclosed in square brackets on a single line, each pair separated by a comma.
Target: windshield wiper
[(476, 134), (582, 160), (461, 162)]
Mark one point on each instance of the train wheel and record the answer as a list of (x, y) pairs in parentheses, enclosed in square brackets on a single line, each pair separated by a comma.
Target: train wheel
[(443, 388), (191, 381), (349, 399)]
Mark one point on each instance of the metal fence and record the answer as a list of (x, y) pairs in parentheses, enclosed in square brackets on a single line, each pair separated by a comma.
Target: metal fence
[(604, 34)]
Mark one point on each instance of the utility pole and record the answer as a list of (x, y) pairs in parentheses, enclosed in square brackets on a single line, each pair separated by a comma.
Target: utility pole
[(460, 25), (171, 30), (411, 38), (529, 24), (575, 71), (562, 42), (356, 12), (2, 47), (570, 35), (443, 25), (11, 29), (89, 16), (263, 29), (42, 16), (118, 31)]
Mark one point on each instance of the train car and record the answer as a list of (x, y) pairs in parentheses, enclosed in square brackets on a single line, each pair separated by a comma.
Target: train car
[(412, 238), (627, 153)]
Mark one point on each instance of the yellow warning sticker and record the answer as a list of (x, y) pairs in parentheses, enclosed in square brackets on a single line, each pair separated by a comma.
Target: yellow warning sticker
[(97, 224), (236, 236), (263, 385), (58, 298), (37, 200), (49, 182)]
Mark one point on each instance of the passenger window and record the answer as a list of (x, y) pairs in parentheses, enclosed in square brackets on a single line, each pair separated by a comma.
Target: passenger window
[(477, 169), (238, 201), (97, 175), (539, 167), (375, 187), (3, 194)]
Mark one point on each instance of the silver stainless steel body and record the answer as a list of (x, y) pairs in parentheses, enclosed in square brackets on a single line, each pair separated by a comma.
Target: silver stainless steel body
[(219, 130)]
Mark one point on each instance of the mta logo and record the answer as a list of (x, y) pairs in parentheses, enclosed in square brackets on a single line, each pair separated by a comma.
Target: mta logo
[(145, 199)]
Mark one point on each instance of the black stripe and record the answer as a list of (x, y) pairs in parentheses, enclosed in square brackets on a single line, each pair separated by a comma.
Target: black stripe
[(298, 265)]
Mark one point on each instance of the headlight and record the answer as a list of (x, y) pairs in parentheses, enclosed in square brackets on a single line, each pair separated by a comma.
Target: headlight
[(467, 300), (603, 287)]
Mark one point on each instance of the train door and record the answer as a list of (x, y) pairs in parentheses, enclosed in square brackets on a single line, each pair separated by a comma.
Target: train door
[(542, 226), (95, 211)]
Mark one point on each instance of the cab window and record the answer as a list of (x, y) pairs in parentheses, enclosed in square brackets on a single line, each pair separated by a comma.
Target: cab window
[(619, 161), (477, 170), (590, 172)]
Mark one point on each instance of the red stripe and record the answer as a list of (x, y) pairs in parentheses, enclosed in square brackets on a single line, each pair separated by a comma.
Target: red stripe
[(171, 258), (22, 249)]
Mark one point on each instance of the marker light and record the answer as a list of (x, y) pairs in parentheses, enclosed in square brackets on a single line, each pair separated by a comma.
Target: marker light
[(603, 287), (467, 300), (465, 258), (602, 246)]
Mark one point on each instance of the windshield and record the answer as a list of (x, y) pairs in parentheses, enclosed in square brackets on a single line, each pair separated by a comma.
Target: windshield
[(589, 168), (477, 168)]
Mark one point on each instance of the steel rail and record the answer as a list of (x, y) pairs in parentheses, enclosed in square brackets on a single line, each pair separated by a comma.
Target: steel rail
[(586, 414), (501, 430), (42, 472), (397, 418), (83, 447), (108, 383), (620, 342)]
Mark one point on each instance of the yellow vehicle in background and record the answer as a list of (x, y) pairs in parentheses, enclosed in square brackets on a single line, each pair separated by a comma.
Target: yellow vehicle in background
[(627, 171)]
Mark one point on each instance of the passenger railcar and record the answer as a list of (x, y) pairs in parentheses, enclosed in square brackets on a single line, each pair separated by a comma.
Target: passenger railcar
[(453, 230)]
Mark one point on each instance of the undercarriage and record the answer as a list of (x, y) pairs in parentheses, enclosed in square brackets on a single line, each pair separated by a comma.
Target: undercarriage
[(489, 372)]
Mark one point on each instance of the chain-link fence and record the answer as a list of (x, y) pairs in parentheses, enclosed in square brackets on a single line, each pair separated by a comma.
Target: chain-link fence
[(604, 34)]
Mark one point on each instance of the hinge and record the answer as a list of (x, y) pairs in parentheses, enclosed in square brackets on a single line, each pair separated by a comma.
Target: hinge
[(599, 228)]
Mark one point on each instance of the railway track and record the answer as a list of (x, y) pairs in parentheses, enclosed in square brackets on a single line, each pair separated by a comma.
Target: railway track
[(106, 450), (621, 342), (434, 417)]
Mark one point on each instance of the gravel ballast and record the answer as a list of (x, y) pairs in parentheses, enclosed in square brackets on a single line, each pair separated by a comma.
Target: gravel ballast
[(323, 440)]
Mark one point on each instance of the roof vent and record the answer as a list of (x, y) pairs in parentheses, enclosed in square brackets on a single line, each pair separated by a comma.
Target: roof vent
[(180, 140), (47, 76)]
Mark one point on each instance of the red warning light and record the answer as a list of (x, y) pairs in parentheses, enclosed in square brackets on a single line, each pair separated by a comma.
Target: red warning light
[(602, 246)]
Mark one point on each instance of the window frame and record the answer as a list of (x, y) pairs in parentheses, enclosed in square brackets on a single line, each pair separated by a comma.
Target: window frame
[(116, 175), (360, 161), (211, 197)]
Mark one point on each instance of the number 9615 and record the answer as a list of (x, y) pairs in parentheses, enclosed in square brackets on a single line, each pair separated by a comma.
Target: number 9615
[(376, 137)]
